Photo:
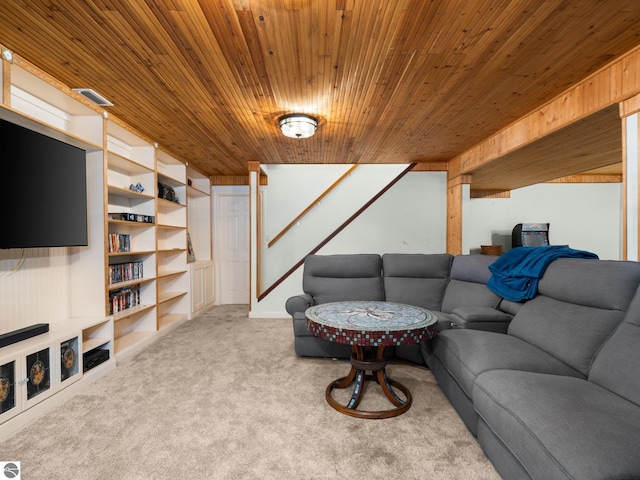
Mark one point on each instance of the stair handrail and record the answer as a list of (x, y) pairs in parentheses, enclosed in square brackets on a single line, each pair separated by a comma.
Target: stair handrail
[(311, 205), (335, 232)]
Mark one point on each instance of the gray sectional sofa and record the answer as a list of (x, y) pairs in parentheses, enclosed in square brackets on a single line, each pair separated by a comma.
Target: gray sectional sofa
[(549, 386), (452, 287)]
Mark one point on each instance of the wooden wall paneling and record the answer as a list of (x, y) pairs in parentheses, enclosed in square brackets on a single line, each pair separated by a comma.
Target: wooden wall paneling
[(391, 82), (455, 197)]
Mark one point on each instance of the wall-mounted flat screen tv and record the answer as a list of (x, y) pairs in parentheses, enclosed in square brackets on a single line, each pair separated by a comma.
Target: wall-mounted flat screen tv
[(44, 191)]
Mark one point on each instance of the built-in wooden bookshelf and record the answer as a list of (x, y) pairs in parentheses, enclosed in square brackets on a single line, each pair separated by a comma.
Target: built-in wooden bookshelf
[(130, 213), (201, 266), (173, 279), (131, 230)]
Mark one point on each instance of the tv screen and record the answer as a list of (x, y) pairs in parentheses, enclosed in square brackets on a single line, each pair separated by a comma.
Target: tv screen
[(44, 190)]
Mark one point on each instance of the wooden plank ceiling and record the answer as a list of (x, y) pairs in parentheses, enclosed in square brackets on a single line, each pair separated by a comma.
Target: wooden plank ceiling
[(391, 81)]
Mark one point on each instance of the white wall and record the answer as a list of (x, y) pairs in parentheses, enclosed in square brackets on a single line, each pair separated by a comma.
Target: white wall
[(34, 287), (411, 218), (583, 216)]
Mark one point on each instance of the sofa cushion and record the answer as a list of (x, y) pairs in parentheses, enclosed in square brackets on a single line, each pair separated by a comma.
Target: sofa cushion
[(604, 284), (467, 353), (617, 365), (336, 278), (559, 427), (468, 284), (416, 279), (580, 303), (468, 294), (569, 332), (472, 268)]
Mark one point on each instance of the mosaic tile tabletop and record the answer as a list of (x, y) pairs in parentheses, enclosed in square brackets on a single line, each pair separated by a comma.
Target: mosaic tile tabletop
[(370, 323)]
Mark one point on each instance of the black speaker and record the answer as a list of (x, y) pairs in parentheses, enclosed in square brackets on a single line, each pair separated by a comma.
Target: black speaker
[(16, 336)]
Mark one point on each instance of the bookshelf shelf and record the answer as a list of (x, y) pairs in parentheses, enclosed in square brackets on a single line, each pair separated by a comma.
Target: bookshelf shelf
[(131, 342), (169, 296), (124, 314), (168, 321), (138, 281), (125, 254), (170, 273)]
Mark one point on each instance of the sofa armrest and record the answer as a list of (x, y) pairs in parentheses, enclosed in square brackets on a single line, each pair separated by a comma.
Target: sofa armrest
[(299, 303), (480, 318)]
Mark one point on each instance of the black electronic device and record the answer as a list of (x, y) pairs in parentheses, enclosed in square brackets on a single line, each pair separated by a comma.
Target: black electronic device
[(530, 235), (94, 358), (21, 334), (44, 181)]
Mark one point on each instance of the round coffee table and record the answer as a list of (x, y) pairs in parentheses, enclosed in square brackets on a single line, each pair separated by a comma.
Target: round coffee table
[(369, 327)]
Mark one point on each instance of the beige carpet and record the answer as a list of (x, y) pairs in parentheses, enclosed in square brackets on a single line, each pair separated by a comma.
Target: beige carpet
[(224, 397)]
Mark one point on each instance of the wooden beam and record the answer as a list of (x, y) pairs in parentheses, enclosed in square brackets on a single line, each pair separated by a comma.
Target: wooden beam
[(630, 106), (454, 212), (612, 84), (490, 193), (431, 167)]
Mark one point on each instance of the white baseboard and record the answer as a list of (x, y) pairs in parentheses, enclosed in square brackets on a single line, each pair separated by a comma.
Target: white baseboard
[(269, 315)]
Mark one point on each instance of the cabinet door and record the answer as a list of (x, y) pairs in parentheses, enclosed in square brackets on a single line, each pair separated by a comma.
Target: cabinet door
[(39, 373), (209, 285), (9, 398), (197, 287), (70, 360)]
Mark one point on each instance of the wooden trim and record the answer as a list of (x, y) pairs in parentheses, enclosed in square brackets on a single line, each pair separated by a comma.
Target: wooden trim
[(431, 167), (5, 70), (336, 232), (630, 106), (458, 180), (235, 180), (311, 205), (45, 77), (490, 193), (588, 178), (454, 215)]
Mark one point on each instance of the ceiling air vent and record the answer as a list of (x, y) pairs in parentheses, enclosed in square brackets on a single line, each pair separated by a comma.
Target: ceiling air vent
[(94, 96)]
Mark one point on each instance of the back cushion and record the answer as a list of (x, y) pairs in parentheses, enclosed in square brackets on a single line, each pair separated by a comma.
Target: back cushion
[(617, 365), (336, 278), (580, 303), (416, 279), (468, 285)]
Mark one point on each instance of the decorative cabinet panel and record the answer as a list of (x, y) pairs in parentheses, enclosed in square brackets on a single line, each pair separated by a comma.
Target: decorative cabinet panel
[(33, 370), (202, 285)]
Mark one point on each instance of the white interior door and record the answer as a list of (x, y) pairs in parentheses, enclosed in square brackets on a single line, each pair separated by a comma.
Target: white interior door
[(231, 233)]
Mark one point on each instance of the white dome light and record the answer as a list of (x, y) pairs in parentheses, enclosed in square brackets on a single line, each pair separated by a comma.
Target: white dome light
[(298, 125)]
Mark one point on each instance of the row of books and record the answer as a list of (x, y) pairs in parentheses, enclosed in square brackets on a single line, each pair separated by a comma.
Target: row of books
[(119, 242), (125, 272), (124, 298)]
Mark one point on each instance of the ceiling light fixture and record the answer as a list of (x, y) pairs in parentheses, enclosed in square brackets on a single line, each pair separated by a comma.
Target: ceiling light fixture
[(298, 125)]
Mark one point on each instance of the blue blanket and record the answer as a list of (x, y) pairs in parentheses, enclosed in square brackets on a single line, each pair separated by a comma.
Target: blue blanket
[(515, 274)]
